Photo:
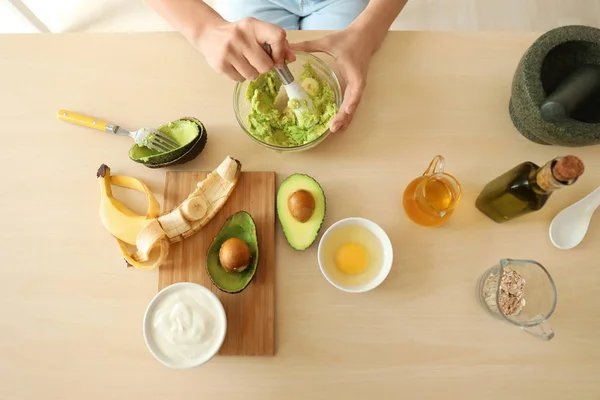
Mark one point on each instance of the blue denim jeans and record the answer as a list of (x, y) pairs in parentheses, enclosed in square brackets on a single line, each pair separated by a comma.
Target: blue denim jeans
[(295, 14)]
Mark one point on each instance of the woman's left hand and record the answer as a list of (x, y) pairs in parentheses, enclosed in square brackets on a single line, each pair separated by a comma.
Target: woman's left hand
[(352, 51)]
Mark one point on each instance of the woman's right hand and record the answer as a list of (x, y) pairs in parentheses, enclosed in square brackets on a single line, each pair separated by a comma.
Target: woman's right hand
[(236, 48)]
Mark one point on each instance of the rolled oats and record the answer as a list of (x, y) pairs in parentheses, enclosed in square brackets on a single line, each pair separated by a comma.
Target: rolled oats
[(511, 294)]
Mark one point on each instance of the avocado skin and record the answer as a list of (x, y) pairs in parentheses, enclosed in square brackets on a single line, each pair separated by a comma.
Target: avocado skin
[(289, 185), (190, 151), (242, 226)]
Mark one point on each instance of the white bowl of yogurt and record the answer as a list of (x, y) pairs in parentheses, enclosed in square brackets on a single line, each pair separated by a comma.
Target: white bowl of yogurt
[(184, 325)]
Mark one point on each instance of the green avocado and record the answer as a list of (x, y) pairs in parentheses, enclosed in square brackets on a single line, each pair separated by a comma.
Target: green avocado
[(189, 133), (241, 226), (300, 235)]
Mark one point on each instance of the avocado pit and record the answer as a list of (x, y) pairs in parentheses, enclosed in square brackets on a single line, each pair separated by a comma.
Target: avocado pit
[(301, 205), (234, 255), (232, 258), (301, 208)]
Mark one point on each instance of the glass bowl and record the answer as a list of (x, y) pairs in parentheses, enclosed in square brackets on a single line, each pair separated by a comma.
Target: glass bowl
[(242, 107)]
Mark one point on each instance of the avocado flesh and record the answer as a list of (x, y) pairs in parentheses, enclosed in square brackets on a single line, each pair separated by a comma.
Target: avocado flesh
[(184, 131), (240, 225), (195, 149), (300, 235)]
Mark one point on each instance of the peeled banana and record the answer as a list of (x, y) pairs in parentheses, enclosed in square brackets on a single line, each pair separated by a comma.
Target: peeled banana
[(152, 233), (311, 86)]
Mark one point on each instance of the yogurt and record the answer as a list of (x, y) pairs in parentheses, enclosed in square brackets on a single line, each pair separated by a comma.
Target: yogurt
[(184, 325)]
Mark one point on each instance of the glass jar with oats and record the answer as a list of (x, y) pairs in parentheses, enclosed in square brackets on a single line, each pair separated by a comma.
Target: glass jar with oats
[(521, 292)]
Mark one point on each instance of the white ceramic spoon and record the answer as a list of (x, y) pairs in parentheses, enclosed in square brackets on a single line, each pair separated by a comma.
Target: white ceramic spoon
[(570, 225)]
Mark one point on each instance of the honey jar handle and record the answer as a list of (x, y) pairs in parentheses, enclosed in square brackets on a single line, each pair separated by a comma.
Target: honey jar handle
[(436, 166)]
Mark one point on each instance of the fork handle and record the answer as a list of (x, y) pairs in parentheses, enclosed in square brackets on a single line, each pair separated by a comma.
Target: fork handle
[(284, 73), (80, 119)]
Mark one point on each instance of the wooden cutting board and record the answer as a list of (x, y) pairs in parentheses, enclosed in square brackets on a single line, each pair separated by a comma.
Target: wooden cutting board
[(250, 313)]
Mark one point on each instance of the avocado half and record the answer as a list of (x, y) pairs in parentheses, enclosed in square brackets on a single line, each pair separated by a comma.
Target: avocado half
[(301, 235), (189, 132), (240, 225)]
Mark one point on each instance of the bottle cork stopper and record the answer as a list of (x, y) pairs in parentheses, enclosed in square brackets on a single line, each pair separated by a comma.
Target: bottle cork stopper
[(568, 168)]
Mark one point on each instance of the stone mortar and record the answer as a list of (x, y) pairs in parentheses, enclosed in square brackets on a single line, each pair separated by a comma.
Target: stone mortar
[(551, 58)]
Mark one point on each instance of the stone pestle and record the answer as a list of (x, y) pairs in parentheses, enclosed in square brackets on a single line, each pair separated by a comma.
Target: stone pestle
[(572, 95)]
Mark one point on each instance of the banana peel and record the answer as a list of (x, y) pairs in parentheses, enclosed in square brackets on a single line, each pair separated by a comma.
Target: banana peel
[(144, 239)]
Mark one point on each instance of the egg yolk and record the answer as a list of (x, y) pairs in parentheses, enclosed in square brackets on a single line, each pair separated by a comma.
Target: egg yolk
[(351, 258)]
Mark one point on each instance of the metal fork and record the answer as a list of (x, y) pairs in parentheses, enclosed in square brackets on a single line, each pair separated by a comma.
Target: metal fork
[(305, 112), (147, 137)]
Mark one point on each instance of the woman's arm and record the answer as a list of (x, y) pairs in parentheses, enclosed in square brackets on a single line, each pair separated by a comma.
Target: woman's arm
[(236, 48), (353, 48), (190, 17), (377, 19)]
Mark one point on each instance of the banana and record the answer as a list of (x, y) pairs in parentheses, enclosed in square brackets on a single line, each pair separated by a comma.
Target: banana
[(147, 239), (132, 260), (116, 217), (311, 86), (174, 223), (203, 203), (154, 232), (194, 208)]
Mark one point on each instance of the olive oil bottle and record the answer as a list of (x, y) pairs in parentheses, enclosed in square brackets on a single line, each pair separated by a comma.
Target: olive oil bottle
[(527, 187)]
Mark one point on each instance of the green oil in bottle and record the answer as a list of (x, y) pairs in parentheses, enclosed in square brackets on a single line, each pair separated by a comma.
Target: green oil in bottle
[(527, 187)]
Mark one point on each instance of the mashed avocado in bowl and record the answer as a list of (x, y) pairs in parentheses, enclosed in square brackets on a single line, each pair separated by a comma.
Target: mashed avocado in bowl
[(267, 116)]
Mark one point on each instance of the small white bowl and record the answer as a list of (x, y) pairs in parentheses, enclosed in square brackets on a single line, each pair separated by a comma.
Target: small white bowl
[(387, 259), (213, 303)]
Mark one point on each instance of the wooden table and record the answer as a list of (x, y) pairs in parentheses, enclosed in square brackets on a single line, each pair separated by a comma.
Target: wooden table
[(72, 313)]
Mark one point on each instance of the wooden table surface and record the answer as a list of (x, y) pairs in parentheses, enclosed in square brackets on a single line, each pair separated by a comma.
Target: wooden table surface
[(71, 313)]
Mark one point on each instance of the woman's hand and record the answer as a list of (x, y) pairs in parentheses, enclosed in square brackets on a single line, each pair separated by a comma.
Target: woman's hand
[(233, 48), (236, 48), (352, 52)]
